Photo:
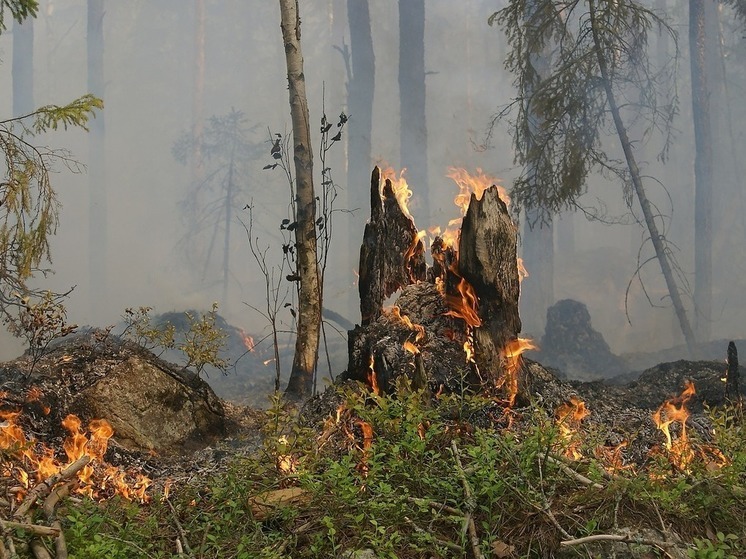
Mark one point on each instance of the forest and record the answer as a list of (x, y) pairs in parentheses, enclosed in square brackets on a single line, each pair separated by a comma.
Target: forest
[(362, 280)]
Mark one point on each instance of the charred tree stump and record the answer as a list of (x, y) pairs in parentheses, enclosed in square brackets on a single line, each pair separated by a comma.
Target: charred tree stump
[(454, 325), (732, 390), (391, 256), (487, 260)]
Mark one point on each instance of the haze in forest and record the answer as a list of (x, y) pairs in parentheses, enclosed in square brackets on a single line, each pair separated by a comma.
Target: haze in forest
[(150, 62)]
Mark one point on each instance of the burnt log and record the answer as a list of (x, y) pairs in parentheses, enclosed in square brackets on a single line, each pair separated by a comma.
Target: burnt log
[(391, 256)]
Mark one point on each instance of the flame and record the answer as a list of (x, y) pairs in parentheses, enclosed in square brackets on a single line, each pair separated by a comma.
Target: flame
[(611, 457), (410, 347), (464, 305), (674, 410), (373, 378), (367, 430), (569, 415), (512, 354), (248, 341), (469, 184), (522, 271), (396, 314), (97, 479), (400, 187)]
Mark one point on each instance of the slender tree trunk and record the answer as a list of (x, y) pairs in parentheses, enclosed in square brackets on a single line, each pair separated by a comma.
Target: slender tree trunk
[(98, 211), (228, 209), (23, 67), (300, 385), (655, 237), (360, 106), (702, 172), (413, 148)]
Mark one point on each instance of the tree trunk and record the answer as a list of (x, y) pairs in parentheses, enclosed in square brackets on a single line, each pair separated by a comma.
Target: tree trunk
[(360, 106), (23, 67), (300, 385), (702, 172), (98, 211), (413, 136), (655, 236)]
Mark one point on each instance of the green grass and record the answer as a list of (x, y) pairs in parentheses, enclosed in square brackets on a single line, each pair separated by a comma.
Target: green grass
[(403, 495)]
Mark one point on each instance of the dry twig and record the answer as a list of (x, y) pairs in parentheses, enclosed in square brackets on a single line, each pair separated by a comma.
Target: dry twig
[(621, 538), (470, 504), (43, 488), (572, 473)]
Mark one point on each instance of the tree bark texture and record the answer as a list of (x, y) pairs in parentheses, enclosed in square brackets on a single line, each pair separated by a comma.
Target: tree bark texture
[(391, 255), (23, 67), (98, 199), (702, 172), (634, 171), (487, 260), (413, 127), (300, 385)]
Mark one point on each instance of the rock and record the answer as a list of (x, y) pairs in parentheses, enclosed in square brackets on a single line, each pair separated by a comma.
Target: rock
[(152, 405), (572, 345)]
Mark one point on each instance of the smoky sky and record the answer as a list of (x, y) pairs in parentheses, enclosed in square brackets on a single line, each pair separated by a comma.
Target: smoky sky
[(149, 65)]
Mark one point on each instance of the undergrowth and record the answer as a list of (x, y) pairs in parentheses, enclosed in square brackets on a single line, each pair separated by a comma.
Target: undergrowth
[(403, 475)]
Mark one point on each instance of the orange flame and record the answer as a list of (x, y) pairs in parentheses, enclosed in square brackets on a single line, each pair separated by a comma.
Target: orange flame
[(410, 347), (373, 378), (400, 187), (464, 305), (396, 313), (569, 415), (248, 341), (476, 184), (512, 354), (96, 480), (674, 410), (522, 271)]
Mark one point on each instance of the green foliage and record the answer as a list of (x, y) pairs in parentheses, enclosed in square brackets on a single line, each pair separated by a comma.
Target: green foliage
[(562, 109), (29, 208), (19, 10), (201, 341), (41, 321), (724, 547), (399, 491)]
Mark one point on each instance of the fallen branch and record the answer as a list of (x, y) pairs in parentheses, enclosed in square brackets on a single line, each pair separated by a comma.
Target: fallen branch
[(40, 552), (180, 529), (436, 505), (36, 529), (572, 473), (43, 488), (50, 503), (623, 539), (445, 543)]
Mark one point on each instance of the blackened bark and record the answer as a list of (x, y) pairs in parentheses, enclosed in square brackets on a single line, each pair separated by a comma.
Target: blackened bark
[(391, 255), (732, 377)]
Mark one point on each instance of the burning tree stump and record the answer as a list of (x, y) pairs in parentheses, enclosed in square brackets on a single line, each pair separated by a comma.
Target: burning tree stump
[(458, 321), (392, 255)]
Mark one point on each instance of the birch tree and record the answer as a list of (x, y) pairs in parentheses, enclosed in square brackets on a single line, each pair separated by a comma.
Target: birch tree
[(300, 385)]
